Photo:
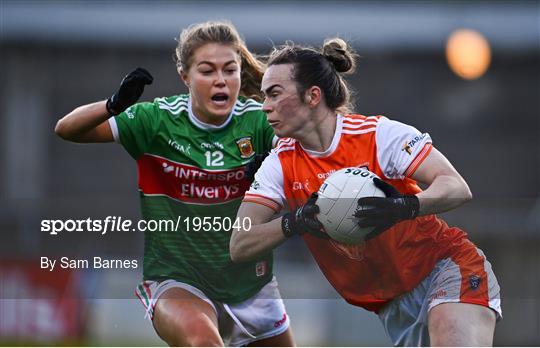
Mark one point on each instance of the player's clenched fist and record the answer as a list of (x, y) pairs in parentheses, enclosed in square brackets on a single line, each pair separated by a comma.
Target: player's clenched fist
[(384, 213), (130, 90)]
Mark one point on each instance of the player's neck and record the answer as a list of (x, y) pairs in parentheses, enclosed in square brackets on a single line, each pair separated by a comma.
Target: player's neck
[(320, 137)]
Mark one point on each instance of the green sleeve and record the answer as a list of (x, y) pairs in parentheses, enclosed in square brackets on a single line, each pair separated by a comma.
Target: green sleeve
[(137, 127)]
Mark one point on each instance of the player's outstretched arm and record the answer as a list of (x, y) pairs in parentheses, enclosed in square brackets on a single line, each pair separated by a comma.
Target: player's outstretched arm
[(264, 235), (447, 189), (88, 123)]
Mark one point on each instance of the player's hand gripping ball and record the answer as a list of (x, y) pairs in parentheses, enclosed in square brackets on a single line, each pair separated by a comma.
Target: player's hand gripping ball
[(338, 203)]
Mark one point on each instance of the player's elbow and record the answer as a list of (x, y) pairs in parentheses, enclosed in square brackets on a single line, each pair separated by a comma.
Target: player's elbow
[(236, 250), (468, 194), (237, 255), (62, 130), (465, 192)]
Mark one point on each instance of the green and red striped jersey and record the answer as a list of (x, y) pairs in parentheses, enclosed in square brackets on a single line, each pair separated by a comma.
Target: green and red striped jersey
[(193, 170)]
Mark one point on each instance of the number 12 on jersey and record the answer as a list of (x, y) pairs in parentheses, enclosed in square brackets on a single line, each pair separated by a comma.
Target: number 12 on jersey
[(214, 158)]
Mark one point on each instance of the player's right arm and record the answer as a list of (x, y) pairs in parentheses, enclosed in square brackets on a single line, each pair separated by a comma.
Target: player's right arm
[(265, 198), (264, 235), (88, 123)]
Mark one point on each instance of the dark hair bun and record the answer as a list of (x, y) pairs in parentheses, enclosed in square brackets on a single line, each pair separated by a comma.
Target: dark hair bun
[(340, 55)]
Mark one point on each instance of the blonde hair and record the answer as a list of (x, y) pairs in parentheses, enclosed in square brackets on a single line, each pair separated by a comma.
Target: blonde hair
[(222, 32)]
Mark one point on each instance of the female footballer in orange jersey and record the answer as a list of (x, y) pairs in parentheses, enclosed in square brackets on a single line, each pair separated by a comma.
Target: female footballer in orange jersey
[(427, 282)]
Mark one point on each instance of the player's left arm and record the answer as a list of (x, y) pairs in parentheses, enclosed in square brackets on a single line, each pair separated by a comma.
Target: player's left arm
[(446, 189), (415, 158)]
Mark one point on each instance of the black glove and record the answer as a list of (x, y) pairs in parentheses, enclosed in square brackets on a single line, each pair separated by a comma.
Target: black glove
[(384, 213), (131, 89), (303, 220), (254, 165)]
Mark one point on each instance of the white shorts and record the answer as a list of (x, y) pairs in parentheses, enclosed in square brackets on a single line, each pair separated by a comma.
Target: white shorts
[(258, 317), (405, 319)]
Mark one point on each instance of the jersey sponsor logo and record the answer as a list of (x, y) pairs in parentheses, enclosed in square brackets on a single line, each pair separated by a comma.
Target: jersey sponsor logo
[(246, 147), (408, 145), (325, 175), (185, 149), (189, 184), (297, 185)]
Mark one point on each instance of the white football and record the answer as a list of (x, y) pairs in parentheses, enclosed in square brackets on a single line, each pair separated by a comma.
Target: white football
[(338, 197)]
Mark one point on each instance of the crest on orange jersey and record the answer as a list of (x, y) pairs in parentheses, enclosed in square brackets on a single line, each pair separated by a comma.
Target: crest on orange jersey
[(474, 281)]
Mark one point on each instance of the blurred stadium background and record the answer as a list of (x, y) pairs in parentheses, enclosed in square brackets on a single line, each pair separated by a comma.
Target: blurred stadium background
[(57, 55)]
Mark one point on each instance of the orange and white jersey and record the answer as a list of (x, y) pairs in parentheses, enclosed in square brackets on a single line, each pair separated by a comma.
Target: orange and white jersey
[(372, 273), (391, 149)]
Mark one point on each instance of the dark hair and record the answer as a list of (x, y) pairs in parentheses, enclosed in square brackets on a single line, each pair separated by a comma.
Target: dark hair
[(322, 68), (222, 32)]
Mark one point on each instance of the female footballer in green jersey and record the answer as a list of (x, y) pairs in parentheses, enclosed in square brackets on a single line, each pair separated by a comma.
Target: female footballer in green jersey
[(191, 152)]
